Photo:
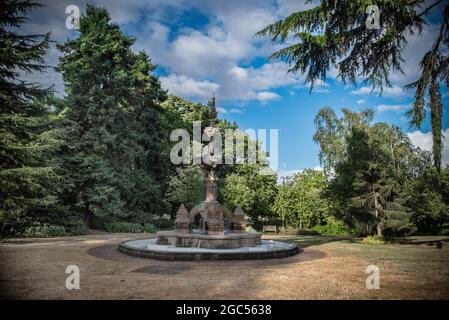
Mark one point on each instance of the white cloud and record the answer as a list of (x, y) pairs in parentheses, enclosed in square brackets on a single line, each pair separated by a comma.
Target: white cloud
[(321, 90), (235, 110), (221, 50), (392, 107), (266, 96), (221, 110), (283, 174), (361, 101), (424, 141), (393, 91), (188, 87)]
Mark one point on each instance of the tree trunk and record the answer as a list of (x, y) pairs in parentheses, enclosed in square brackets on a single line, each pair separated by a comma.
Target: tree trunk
[(376, 206), (87, 218), (379, 230)]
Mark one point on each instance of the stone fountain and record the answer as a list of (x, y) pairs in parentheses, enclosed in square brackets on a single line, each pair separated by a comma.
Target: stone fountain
[(219, 227), (221, 233)]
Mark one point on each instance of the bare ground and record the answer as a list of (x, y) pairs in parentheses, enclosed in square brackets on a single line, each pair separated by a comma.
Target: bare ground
[(329, 268)]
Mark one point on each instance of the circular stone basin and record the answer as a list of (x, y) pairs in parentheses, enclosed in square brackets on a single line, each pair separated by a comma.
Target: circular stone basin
[(196, 240), (148, 248)]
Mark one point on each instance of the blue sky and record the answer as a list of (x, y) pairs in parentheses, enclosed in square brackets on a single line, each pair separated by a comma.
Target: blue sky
[(207, 46)]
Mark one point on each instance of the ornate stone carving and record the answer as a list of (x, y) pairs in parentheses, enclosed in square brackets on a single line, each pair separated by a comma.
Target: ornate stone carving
[(182, 221), (239, 220)]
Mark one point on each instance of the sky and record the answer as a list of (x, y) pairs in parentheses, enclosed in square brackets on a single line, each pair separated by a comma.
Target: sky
[(203, 47)]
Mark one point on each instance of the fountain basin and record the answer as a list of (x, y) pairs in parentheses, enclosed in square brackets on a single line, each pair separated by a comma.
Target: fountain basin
[(149, 248), (195, 240)]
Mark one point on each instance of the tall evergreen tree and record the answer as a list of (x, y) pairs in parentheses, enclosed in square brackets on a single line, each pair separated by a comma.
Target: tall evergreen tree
[(111, 121), (25, 178), (334, 33)]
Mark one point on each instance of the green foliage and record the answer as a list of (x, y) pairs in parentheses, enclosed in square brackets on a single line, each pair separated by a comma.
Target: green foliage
[(373, 240), (44, 230), (128, 227), (333, 34), (301, 201), (367, 178), (186, 187), (308, 232), (429, 197), (112, 124), (333, 229), (162, 224), (27, 178), (245, 186)]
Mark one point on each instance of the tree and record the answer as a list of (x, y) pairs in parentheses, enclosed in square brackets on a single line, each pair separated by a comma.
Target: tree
[(26, 178), (380, 206), (332, 132), (245, 186), (186, 187), (284, 203), (237, 192), (334, 34), (428, 195), (114, 132), (301, 200), (368, 184)]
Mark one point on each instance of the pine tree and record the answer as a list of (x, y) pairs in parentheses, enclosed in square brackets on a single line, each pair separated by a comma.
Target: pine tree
[(25, 177), (113, 123)]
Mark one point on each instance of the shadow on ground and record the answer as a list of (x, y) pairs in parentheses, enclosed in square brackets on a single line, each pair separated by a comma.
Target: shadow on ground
[(411, 241)]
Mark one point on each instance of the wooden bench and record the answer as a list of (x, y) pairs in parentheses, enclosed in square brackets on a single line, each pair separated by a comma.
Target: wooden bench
[(270, 228)]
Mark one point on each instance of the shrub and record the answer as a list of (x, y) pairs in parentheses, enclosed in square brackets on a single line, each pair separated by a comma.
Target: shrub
[(333, 229), (373, 240), (307, 232), (76, 227), (162, 223), (44, 230), (118, 226)]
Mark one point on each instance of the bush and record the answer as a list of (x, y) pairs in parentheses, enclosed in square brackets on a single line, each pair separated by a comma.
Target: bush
[(162, 223), (128, 227), (373, 240), (333, 229), (44, 230), (76, 227), (307, 232)]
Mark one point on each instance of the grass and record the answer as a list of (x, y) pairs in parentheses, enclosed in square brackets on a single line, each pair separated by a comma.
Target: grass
[(419, 254)]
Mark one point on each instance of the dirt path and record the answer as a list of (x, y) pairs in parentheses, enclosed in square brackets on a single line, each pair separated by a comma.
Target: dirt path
[(35, 269)]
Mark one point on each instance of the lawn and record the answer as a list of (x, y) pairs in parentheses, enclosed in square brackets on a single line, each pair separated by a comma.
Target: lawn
[(328, 268)]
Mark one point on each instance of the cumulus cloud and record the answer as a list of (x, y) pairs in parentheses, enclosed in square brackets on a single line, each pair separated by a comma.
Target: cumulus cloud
[(393, 91), (187, 87), (423, 140), (217, 55), (392, 107), (266, 96)]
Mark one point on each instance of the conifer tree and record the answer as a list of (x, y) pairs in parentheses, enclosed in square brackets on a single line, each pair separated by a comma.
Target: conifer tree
[(113, 132), (334, 34), (25, 178)]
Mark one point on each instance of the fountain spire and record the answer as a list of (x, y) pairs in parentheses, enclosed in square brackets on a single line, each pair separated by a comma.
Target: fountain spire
[(213, 111)]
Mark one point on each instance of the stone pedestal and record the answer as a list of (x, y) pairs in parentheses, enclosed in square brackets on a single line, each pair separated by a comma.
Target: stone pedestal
[(214, 220), (239, 221), (182, 222)]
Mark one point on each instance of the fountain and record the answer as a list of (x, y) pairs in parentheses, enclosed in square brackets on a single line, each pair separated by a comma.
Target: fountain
[(221, 233)]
